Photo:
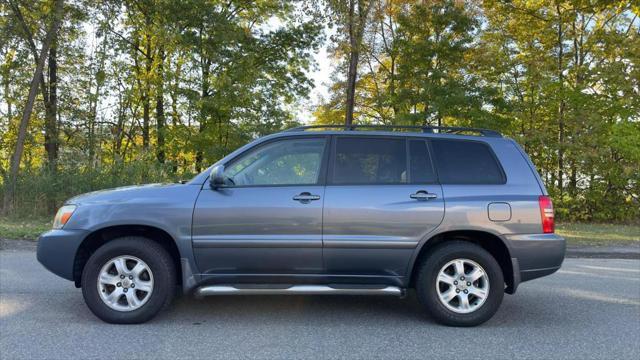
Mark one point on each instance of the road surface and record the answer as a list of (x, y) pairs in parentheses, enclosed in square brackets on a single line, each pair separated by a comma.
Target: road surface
[(589, 309)]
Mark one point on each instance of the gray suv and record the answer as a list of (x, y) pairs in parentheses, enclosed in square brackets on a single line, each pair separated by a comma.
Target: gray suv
[(458, 214)]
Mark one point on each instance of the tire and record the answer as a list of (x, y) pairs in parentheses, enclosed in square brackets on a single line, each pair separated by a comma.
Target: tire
[(159, 276), (431, 285)]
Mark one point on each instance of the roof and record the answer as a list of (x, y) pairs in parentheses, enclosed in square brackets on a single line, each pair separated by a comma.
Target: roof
[(395, 128)]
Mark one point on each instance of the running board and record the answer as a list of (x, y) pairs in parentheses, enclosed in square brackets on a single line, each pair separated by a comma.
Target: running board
[(297, 290)]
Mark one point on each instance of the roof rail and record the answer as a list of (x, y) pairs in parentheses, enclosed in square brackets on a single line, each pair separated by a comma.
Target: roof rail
[(424, 129)]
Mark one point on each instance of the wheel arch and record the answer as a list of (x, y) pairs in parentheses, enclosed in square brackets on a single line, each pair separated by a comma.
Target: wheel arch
[(101, 236), (488, 241)]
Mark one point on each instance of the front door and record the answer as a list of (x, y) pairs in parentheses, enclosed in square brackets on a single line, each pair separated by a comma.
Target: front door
[(382, 198), (268, 217)]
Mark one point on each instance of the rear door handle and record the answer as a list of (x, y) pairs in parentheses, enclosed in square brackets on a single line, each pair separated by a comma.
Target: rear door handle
[(306, 197), (423, 195)]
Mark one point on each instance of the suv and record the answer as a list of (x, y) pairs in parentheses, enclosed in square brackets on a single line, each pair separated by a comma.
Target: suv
[(461, 218)]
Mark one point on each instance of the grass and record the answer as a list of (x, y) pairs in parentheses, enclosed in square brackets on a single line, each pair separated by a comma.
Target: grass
[(599, 234), (575, 233), (11, 228)]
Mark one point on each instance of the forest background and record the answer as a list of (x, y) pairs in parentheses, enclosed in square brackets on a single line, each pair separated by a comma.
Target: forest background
[(99, 94)]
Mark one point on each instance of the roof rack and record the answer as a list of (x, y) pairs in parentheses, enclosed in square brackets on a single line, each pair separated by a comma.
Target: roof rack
[(424, 129)]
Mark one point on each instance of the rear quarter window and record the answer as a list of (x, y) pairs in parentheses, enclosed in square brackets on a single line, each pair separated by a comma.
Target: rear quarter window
[(466, 162)]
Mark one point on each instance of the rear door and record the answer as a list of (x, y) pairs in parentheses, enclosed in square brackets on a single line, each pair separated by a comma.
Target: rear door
[(381, 199)]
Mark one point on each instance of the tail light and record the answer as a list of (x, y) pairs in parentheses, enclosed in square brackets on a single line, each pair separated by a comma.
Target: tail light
[(546, 212)]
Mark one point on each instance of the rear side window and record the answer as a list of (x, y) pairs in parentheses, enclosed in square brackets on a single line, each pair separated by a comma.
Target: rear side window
[(370, 161), (466, 162)]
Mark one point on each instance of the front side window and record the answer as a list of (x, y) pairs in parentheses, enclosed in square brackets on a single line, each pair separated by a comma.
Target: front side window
[(370, 161), (284, 162)]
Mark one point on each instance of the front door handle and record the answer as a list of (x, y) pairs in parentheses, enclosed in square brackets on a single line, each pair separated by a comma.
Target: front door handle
[(423, 195), (306, 197)]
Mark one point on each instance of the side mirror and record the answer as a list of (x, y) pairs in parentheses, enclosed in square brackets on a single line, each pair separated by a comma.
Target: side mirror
[(216, 179)]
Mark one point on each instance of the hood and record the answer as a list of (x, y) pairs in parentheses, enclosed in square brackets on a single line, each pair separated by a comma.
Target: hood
[(124, 194)]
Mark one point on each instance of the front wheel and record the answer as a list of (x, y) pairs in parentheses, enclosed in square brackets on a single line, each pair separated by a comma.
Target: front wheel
[(128, 280), (460, 284)]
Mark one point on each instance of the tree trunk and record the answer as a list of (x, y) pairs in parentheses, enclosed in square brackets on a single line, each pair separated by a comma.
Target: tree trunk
[(175, 116), (160, 119), (146, 108), (203, 116), (353, 66), (26, 115), (49, 92), (573, 179), (392, 87), (146, 101), (51, 120), (356, 25), (51, 110), (561, 105), (351, 86), (118, 131), (8, 97)]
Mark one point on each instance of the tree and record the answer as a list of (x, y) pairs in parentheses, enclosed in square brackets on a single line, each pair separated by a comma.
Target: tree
[(243, 74), (352, 18), (56, 18), (418, 58), (48, 88), (559, 76), (565, 74), (434, 78), (155, 90)]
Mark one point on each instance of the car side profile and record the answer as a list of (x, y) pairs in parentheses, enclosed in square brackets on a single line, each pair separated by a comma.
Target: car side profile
[(458, 214)]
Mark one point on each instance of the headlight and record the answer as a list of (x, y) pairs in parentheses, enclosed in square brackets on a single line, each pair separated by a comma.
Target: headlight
[(63, 215)]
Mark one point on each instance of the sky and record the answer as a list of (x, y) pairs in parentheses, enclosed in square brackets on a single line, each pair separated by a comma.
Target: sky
[(321, 76)]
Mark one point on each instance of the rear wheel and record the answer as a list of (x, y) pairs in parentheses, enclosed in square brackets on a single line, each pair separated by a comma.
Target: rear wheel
[(128, 280), (460, 284)]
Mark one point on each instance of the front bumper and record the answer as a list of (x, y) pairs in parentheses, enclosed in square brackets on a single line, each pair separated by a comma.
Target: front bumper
[(57, 250), (536, 255)]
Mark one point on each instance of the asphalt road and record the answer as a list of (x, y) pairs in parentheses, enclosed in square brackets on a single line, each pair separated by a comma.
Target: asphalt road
[(590, 309)]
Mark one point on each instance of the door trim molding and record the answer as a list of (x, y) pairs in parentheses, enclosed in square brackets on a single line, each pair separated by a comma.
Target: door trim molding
[(256, 243), (369, 244)]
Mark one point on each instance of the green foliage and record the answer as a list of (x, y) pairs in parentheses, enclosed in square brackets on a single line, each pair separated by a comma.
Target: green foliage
[(150, 90), (156, 90), (12, 227), (35, 188), (433, 70), (560, 77)]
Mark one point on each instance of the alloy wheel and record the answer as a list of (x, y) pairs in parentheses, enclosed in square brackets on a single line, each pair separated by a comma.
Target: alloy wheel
[(125, 283), (462, 286)]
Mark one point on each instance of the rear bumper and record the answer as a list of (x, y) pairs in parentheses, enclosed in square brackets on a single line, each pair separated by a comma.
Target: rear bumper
[(535, 255), (57, 250)]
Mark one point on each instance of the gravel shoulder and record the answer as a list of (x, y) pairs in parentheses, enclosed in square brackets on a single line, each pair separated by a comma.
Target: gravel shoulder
[(627, 251), (11, 244)]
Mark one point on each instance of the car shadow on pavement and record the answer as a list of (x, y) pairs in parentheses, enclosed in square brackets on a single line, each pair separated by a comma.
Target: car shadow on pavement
[(295, 309), (332, 310), (327, 310)]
